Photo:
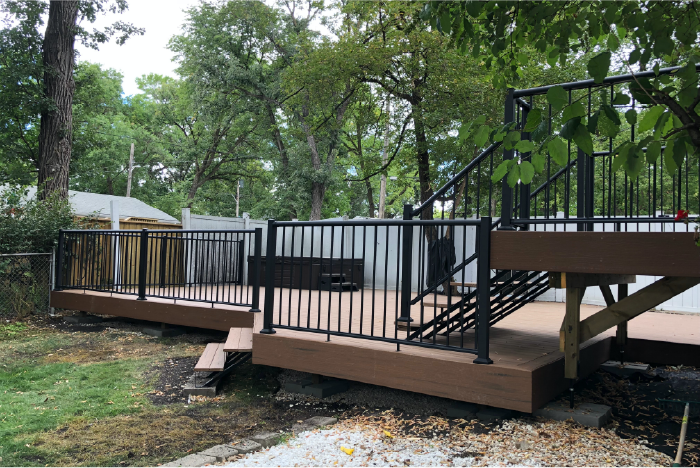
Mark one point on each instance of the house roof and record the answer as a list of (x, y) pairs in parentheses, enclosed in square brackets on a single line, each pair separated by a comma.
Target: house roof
[(90, 204)]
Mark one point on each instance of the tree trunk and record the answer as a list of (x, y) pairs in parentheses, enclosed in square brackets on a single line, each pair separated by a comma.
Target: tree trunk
[(196, 183), (56, 131), (423, 160), (318, 191), (370, 198)]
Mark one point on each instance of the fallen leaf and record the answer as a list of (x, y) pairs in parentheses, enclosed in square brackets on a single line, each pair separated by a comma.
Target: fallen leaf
[(347, 450)]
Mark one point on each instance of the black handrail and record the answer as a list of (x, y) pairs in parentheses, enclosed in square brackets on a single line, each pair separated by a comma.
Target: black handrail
[(473, 163), (610, 80)]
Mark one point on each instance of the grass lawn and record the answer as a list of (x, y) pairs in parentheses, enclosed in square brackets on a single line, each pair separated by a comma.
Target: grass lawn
[(107, 395)]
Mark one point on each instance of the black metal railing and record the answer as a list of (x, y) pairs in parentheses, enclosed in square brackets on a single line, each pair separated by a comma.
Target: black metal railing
[(382, 280), (586, 189), (192, 265)]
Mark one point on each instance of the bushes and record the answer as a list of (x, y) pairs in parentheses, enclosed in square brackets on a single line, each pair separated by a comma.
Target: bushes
[(28, 226), (31, 225)]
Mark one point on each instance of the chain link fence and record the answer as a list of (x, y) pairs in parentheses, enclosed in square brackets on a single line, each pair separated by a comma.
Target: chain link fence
[(25, 284)]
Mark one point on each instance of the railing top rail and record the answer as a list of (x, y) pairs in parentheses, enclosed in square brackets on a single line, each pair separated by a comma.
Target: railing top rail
[(456, 178), (592, 84), (162, 231), (383, 222), (597, 220)]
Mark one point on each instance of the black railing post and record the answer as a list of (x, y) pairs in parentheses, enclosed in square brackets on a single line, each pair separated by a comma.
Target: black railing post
[(257, 253), (143, 260), (406, 264), (483, 294), (590, 187), (581, 187), (269, 278), (59, 261), (525, 189), (506, 191)]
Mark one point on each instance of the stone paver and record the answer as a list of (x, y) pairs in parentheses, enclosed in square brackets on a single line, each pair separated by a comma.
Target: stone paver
[(195, 459), (247, 446), (587, 414), (220, 452), (266, 439)]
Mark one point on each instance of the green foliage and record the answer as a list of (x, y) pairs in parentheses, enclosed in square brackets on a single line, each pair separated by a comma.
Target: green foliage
[(639, 35), (31, 226)]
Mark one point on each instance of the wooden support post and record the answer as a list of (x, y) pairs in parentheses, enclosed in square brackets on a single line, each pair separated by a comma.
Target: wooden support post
[(621, 335), (571, 331)]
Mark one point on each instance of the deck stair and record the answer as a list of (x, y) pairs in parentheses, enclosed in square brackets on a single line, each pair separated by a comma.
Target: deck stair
[(335, 282), (510, 291), (220, 359)]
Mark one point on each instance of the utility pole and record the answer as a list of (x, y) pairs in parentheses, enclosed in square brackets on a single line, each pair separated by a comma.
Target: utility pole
[(238, 195), (131, 170), (385, 158)]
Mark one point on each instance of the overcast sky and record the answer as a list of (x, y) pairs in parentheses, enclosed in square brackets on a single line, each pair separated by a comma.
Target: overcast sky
[(141, 54)]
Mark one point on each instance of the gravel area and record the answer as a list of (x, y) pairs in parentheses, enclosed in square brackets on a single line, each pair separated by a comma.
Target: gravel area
[(391, 440)]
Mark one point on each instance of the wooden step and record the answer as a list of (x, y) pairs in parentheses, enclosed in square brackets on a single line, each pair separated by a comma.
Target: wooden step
[(213, 359), (240, 340), (462, 285)]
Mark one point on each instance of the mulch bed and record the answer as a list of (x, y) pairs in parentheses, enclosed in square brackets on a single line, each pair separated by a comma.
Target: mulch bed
[(638, 412)]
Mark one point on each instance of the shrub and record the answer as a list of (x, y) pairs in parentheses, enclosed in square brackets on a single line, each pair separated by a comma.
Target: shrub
[(28, 225)]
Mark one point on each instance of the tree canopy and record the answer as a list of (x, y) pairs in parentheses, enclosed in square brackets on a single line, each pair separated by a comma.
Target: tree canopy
[(617, 37)]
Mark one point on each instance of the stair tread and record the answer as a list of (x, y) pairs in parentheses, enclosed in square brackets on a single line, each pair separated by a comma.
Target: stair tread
[(213, 359), (465, 285), (239, 340)]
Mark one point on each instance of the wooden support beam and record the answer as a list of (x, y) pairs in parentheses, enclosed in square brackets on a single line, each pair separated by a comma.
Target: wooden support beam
[(607, 294), (621, 334), (634, 305), (571, 331), (582, 280)]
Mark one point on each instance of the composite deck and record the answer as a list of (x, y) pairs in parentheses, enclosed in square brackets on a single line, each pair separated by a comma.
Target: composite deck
[(527, 371)]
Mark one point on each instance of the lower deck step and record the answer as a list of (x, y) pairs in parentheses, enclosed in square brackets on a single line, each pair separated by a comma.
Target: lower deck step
[(240, 340), (213, 359)]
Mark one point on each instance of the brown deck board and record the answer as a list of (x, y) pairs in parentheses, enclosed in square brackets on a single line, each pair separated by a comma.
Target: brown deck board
[(625, 253), (213, 359), (184, 313), (239, 340)]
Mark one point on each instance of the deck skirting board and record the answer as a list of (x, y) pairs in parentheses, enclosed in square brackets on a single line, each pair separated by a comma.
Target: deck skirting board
[(183, 313), (457, 379)]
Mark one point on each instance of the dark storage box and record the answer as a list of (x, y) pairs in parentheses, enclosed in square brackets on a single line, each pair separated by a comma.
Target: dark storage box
[(305, 271)]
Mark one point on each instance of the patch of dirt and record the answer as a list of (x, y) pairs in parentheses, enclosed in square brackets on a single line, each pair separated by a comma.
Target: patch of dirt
[(171, 375), (170, 431), (640, 415)]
